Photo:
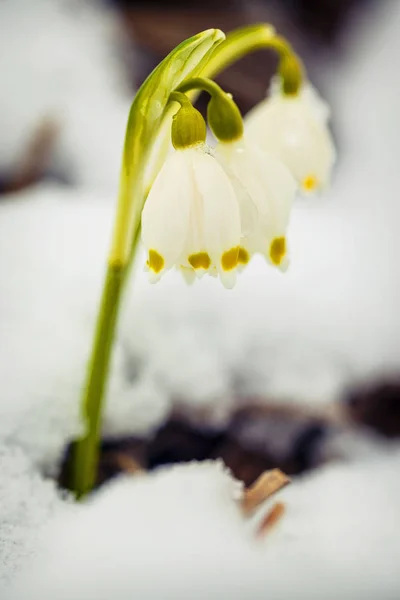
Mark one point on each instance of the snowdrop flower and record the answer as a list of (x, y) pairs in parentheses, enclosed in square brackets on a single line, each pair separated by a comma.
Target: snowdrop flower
[(293, 128), (264, 185), (191, 217), (266, 204)]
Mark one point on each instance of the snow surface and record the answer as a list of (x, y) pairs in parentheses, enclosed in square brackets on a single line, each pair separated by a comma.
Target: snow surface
[(180, 533), (27, 504), (53, 247), (60, 61)]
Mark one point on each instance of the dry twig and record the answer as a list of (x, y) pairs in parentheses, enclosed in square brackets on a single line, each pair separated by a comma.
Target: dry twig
[(264, 487), (271, 519)]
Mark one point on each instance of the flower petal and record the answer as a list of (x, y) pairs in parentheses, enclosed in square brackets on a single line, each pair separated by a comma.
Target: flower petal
[(229, 154), (292, 130), (165, 214), (221, 216), (271, 188), (278, 189)]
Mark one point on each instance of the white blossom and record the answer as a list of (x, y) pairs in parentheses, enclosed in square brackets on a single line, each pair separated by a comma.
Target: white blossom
[(191, 218), (266, 204), (294, 130)]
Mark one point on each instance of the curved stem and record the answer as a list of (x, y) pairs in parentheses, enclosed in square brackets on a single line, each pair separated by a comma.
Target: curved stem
[(203, 55), (243, 41), (223, 114), (178, 96), (202, 83), (143, 125)]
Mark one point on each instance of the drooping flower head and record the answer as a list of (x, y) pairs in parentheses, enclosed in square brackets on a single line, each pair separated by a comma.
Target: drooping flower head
[(208, 210), (191, 218), (268, 191), (264, 185), (293, 128)]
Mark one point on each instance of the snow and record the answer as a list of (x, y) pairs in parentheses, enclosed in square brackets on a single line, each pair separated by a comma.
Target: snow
[(27, 503), (159, 552), (340, 536), (180, 532), (60, 61), (53, 245)]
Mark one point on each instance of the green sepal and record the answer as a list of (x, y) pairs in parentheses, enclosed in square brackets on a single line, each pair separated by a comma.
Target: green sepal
[(188, 128), (224, 118)]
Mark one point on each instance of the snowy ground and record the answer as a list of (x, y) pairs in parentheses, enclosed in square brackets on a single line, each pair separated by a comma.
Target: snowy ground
[(60, 62), (181, 533), (27, 504)]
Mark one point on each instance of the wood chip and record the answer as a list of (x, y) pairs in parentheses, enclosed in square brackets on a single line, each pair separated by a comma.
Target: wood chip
[(128, 464), (265, 486), (271, 519)]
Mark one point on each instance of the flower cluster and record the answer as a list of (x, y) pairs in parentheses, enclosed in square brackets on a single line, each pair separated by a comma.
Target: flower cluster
[(210, 209)]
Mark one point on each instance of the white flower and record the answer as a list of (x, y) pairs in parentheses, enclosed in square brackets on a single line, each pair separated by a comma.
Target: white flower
[(191, 217), (266, 198), (294, 130)]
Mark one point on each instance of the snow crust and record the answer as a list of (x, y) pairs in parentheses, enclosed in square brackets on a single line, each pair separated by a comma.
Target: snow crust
[(180, 532)]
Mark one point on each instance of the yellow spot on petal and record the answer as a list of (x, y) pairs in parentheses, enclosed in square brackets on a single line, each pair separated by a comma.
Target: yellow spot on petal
[(201, 260), (310, 183), (277, 250), (229, 259), (155, 262), (243, 256)]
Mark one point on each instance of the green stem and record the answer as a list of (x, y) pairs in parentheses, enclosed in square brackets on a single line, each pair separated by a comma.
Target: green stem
[(243, 41), (202, 83), (201, 56), (87, 448), (178, 96), (143, 125), (223, 114)]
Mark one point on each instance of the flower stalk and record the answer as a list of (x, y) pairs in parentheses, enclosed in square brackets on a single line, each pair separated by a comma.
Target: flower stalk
[(186, 69), (245, 40), (223, 115), (143, 125)]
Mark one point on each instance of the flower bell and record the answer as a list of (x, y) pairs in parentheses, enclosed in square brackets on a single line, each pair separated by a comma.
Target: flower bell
[(210, 211), (264, 185), (191, 217), (293, 128), (265, 207)]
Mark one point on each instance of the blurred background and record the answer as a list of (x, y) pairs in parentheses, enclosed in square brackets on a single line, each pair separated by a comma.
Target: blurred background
[(309, 371), (47, 50)]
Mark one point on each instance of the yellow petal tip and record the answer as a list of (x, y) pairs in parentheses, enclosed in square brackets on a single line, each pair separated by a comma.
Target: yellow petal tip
[(155, 261), (243, 256), (201, 260), (310, 183), (229, 259), (277, 250)]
